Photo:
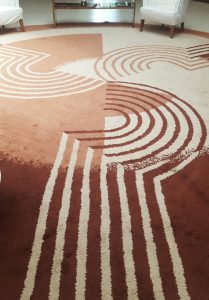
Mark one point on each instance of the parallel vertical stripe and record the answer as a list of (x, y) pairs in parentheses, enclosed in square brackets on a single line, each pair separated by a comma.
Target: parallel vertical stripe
[(41, 224), (61, 228), (173, 249), (81, 255), (127, 236), (106, 284), (148, 234)]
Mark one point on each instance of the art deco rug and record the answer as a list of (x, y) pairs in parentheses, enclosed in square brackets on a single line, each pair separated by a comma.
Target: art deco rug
[(104, 165)]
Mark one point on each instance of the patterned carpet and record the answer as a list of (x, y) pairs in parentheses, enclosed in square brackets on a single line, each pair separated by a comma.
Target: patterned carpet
[(104, 151)]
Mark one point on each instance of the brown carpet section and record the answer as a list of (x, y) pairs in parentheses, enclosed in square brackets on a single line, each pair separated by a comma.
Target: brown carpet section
[(187, 199), (93, 264), (22, 187), (81, 46), (67, 285), (139, 250), (104, 181), (43, 120), (119, 288), (45, 264), (166, 272)]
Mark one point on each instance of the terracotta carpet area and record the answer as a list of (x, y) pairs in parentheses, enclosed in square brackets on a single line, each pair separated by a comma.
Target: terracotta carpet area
[(104, 160)]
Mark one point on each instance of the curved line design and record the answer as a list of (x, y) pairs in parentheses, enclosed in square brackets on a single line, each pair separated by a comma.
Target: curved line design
[(161, 126), (19, 81), (120, 63), (152, 130)]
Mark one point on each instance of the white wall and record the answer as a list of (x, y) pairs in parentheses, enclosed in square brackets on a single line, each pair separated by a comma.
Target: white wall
[(198, 16), (39, 12)]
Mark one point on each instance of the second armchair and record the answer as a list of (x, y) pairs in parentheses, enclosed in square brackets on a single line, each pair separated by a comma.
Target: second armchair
[(168, 12)]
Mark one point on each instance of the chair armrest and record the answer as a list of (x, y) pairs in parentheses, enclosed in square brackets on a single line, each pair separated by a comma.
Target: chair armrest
[(182, 7)]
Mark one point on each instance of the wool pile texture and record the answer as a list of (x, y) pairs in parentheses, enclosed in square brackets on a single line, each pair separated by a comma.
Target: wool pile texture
[(104, 160)]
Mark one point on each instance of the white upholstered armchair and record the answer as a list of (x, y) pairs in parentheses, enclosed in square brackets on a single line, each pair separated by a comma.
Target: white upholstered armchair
[(168, 12), (11, 12)]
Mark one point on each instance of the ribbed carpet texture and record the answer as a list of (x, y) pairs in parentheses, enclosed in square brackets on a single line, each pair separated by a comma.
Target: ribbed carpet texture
[(104, 160)]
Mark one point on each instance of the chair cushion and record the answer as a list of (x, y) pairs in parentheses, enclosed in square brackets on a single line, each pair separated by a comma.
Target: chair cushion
[(162, 8), (10, 14), (160, 14)]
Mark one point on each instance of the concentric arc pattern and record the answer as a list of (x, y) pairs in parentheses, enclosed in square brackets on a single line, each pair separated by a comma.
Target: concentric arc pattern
[(150, 130)]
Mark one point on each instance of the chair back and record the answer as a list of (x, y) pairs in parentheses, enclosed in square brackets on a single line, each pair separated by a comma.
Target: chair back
[(9, 2), (161, 2)]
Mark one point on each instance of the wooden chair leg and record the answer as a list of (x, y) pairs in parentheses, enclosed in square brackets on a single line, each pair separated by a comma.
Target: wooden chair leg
[(172, 31), (54, 15), (141, 25), (22, 25), (182, 26)]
